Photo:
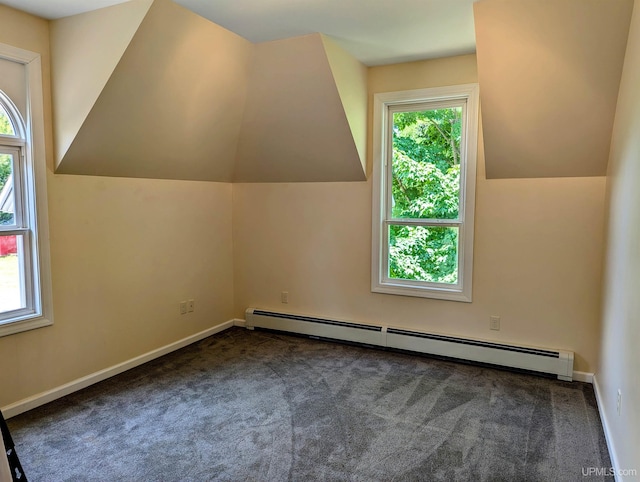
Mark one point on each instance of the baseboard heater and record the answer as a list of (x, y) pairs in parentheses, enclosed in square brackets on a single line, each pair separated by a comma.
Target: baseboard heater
[(544, 361)]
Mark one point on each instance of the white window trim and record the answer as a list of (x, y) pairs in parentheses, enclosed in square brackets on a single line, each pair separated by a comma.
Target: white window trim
[(35, 159), (380, 283)]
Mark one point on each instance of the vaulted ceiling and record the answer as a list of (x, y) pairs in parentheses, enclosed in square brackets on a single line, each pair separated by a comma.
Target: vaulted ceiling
[(174, 95)]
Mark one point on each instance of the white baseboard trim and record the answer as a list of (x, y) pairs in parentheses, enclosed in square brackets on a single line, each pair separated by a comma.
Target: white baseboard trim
[(34, 401), (585, 377), (239, 322), (605, 427)]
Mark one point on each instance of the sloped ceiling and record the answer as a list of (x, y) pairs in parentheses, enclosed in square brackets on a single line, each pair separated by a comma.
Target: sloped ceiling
[(549, 74), (295, 126), (351, 80), (172, 108), (79, 75), (187, 99)]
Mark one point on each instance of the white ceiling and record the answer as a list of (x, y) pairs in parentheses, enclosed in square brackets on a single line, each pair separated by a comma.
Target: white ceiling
[(59, 8), (374, 31)]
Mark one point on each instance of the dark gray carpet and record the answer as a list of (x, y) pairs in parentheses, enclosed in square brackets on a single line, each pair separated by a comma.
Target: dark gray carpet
[(246, 405)]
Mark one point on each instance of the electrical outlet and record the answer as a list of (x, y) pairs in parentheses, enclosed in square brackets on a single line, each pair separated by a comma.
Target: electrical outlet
[(494, 323), (191, 305), (619, 402), (284, 297), (183, 307)]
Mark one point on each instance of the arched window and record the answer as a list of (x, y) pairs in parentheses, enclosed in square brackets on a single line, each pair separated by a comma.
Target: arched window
[(25, 296), (16, 236)]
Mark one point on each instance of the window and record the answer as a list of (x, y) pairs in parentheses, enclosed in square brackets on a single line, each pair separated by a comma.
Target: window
[(25, 287), (425, 146)]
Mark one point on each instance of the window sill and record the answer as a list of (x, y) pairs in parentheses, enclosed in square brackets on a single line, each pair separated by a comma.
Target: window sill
[(399, 289), (18, 326)]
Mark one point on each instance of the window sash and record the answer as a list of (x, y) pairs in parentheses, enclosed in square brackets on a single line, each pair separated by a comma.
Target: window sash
[(421, 283), (438, 222), (388, 152), (424, 222), (25, 255), (20, 228)]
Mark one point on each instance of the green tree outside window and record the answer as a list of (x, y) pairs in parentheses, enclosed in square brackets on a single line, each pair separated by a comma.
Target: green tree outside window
[(425, 185)]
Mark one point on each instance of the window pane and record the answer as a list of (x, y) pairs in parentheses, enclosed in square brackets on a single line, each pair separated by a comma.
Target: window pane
[(7, 209), (11, 274), (6, 127), (423, 253), (6, 190), (426, 164)]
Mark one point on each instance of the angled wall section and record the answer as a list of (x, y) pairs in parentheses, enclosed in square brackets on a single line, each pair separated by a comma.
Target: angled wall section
[(350, 77), (549, 74), (176, 96), (295, 128), (80, 72), (172, 108)]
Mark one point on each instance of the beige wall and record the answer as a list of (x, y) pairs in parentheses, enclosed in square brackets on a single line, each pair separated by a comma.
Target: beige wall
[(538, 248), (124, 253), (620, 364)]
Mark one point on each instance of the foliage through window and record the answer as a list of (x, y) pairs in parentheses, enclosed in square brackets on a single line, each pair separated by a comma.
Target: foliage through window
[(424, 178)]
